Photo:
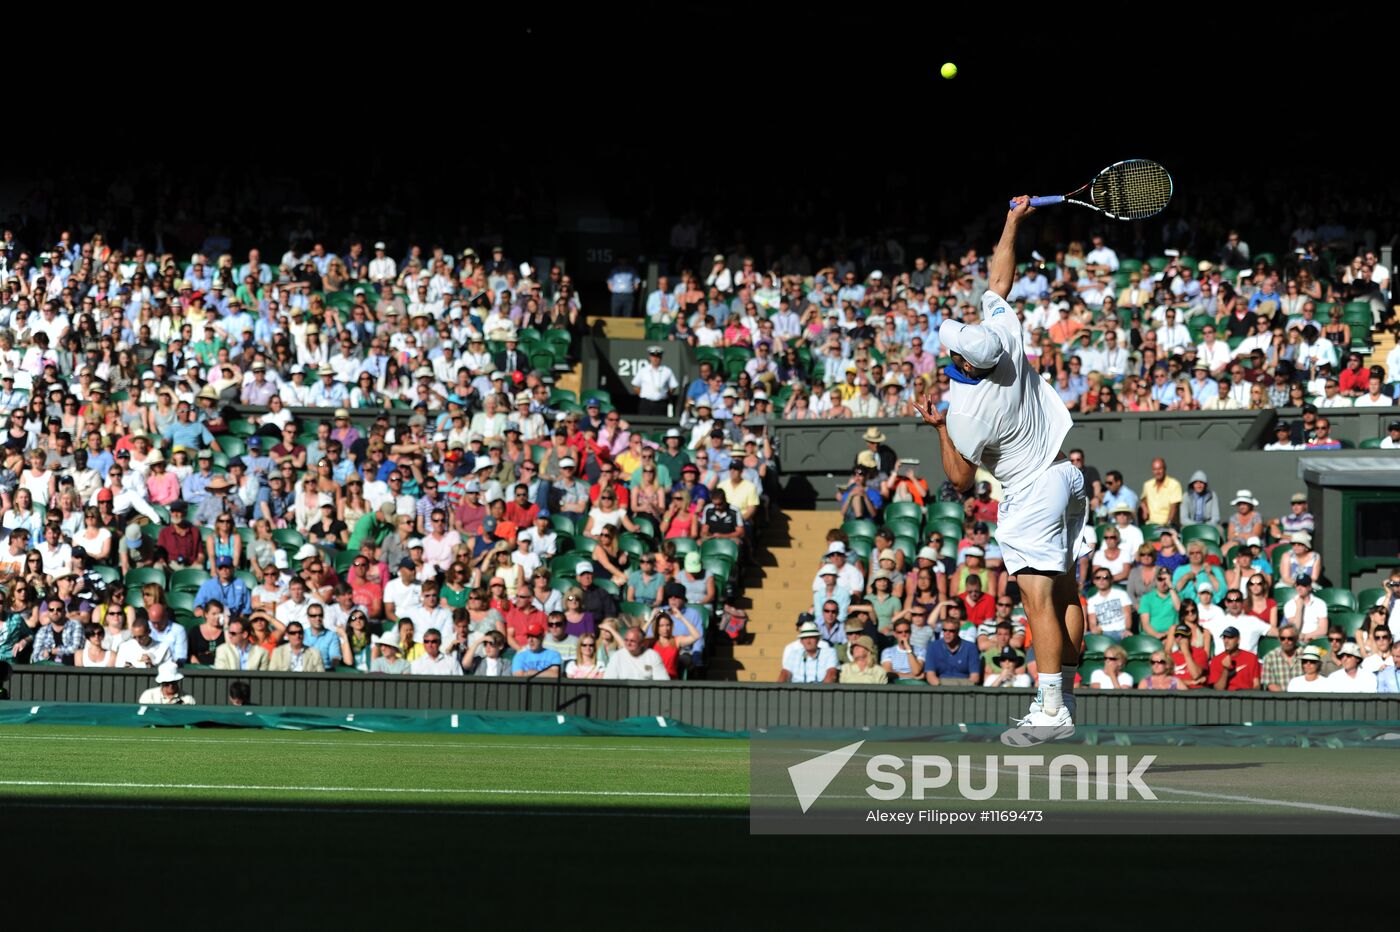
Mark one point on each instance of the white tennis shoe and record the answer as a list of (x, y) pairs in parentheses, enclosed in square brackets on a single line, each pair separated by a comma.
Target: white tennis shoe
[(1039, 727)]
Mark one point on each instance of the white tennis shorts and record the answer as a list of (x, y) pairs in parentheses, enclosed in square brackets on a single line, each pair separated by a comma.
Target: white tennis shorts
[(1040, 527)]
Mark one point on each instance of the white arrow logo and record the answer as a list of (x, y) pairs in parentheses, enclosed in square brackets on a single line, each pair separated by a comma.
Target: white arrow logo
[(811, 778)]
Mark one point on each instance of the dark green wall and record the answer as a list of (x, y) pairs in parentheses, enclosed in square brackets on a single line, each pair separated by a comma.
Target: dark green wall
[(727, 706)]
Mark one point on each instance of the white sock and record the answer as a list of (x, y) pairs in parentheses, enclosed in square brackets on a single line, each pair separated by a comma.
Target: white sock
[(1051, 692), (1068, 673)]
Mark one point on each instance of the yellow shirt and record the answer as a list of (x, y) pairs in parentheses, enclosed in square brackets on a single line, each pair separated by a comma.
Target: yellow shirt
[(628, 462), (742, 495), (874, 673), (1160, 500)]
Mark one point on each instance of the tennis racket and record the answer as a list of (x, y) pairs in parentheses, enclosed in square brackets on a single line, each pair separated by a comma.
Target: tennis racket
[(1134, 189)]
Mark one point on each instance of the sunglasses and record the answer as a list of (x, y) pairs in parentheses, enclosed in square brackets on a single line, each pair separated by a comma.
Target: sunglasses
[(1156, 662)]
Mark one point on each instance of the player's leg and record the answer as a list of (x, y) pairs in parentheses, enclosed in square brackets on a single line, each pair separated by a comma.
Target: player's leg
[(1043, 598)]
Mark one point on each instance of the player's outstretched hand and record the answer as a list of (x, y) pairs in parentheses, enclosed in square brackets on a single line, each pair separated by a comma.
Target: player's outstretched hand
[(1021, 207), (929, 412)]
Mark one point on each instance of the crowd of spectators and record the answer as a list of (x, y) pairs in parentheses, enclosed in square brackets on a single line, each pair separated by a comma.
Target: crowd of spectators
[(347, 461), (1237, 331), (1184, 588)]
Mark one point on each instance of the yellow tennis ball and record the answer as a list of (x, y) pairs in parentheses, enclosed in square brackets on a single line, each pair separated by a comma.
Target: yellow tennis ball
[(949, 70)]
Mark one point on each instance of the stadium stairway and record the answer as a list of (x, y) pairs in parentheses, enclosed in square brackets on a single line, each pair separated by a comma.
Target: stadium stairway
[(1385, 342), (777, 588)]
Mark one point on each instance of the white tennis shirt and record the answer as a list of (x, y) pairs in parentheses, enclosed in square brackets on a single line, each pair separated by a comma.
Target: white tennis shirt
[(1011, 423)]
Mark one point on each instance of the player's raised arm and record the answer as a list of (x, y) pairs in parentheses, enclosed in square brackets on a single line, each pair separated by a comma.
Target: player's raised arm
[(1002, 271)]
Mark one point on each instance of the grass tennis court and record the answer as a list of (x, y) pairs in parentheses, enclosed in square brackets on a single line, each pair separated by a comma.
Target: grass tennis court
[(372, 771), (376, 813)]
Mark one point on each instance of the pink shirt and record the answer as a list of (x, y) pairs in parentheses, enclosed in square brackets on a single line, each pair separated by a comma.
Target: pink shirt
[(164, 488)]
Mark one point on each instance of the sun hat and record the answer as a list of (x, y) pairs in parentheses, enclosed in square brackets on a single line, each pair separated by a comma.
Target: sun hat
[(169, 672)]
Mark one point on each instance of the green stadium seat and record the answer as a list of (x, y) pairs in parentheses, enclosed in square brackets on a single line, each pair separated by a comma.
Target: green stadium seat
[(1371, 443), (859, 526), (249, 580), (913, 511), (607, 585), (951, 530), (1096, 644), (563, 522), (648, 526), (634, 545), (1086, 670), (684, 545), (904, 527), (910, 548), (1266, 645), (188, 579), (1206, 532), (727, 549), (180, 601), (635, 609), (1350, 622), (139, 576), (952, 510), (242, 428), (1368, 597), (1338, 598), (1139, 670), (289, 539), (110, 574), (563, 564), (861, 547), (1140, 646), (232, 446), (1282, 594)]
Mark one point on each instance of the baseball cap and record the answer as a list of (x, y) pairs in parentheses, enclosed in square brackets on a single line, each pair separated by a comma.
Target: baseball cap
[(828, 570), (1230, 632), (978, 345), (974, 552), (1302, 579), (407, 564), (582, 566), (534, 628), (104, 495), (836, 547), (1302, 497), (693, 562), (223, 561), (1348, 650)]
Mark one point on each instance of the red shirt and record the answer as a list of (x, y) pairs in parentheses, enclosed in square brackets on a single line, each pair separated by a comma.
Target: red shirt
[(983, 610), (1247, 671), (176, 545), (618, 489), (1198, 654), (1353, 379), (469, 518), (519, 621), (367, 593), (985, 511), (521, 517)]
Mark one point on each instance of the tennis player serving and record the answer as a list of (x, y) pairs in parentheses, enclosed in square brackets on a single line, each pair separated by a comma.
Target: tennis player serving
[(1004, 417)]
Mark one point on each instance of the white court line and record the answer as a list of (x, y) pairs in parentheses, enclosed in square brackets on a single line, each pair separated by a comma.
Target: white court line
[(413, 790), (454, 744), (1220, 798), (382, 810)]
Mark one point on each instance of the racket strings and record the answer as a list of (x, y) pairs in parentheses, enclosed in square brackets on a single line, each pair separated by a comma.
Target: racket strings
[(1133, 190)]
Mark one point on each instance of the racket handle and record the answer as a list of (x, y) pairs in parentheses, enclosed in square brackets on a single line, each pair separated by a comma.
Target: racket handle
[(1042, 201)]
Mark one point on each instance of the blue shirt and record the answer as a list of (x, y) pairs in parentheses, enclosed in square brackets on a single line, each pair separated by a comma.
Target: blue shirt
[(1124, 495), (101, 462), (191, 434), (234, 596), (1388, 680), (943, 662), (174, 638), (623, 281), (327, 643), (529, 661)]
